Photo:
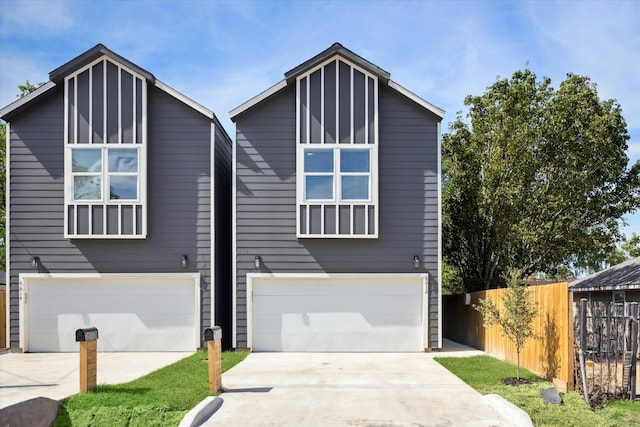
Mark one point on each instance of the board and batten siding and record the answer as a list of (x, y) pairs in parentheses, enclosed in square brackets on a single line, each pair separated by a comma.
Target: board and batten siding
[(179, 200), (266, 200)]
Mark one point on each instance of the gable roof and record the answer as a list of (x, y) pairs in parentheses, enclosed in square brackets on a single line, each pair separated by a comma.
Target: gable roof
[(56, 77), (622, 276), (335, 50), (92, 54)]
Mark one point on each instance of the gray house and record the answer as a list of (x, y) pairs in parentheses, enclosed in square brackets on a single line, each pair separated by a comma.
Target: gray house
[(119, 211), (337, 212)]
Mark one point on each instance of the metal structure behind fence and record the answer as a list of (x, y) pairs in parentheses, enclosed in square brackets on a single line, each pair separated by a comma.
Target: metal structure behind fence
[(607, 343)]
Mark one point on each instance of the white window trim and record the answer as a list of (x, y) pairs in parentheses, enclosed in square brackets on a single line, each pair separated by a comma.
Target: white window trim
[(142, 156), (373, 147), (337, 174)]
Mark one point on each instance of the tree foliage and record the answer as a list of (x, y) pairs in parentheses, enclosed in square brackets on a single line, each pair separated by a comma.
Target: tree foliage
[(516, 318), (27, 88), (536, 181)]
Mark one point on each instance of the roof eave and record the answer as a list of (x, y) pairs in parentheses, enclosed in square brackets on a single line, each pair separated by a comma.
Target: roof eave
[(191, 103), (623, 287), (417, 99), (22, 102), (257, 99)]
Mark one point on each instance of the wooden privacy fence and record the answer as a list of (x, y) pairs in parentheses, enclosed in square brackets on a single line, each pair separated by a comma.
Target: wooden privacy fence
[(550, 356)]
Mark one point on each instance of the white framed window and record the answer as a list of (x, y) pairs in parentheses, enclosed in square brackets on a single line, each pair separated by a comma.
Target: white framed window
[(337, 151), (319, 180), (105, 157), (337, 174), (117, 168), (355, 174)]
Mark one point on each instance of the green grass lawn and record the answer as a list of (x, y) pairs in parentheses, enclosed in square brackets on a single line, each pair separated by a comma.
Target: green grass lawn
[(484, 373), (161, 398)]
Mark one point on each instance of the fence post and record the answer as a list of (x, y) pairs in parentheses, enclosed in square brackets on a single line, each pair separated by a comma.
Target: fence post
[(583, 345), (633, 313), (213, 338), (88, 339)]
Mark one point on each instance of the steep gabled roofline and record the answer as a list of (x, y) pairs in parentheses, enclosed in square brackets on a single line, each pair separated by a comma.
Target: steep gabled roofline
[(335, 50), (92, 54), (57, 76), (338, 49), (18, 104), (257, 99), (417, 99), (191, 103)]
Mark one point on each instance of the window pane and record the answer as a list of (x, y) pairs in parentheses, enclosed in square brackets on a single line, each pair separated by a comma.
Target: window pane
[(87, 188), (319, 187), (86, 160), (123, 160), (318, 160), (123, 187), (354, 160), (355, 187)]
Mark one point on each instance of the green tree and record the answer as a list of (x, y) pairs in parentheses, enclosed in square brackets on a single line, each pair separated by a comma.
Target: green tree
[(27, 88), (516, 319), (451, 283), (536, 181), (632, 246)]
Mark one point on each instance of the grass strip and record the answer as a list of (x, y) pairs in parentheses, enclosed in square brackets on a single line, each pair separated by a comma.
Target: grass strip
[(484, 373), (161, 398)]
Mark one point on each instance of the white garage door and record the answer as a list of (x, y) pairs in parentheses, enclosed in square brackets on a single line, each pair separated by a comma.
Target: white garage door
[(337, 314), (131, 313)]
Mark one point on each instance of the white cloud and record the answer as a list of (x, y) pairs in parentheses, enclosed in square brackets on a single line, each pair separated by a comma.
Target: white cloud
[(597, 39), (35, 18)]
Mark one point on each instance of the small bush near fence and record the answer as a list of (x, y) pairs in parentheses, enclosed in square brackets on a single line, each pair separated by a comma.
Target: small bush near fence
[(550, 356)]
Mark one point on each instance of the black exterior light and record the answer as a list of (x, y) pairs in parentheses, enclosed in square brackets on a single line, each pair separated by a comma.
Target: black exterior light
[(185, 261), (35, 262), (416, 261), (257, 261)]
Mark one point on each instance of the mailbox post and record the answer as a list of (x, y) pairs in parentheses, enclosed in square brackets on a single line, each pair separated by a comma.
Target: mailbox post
[(213, 337), (88, 339)]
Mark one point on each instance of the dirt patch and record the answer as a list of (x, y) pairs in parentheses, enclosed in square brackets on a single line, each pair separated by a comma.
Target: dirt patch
[(515, 381)]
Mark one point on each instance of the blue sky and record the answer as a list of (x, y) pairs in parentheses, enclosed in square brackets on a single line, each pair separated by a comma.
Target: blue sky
[(221, 53)]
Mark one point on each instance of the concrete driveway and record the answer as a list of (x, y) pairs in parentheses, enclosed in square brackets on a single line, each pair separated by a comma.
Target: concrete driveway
[(24, 376), (352, 389)]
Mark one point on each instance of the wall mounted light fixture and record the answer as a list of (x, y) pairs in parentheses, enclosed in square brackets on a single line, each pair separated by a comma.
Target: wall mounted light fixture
[(35, 262), (185, 261), (416, 261), (257, 261)]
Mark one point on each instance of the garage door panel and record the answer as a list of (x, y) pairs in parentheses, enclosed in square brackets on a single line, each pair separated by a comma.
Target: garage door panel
[(337, 304), (363, 287), (337, 315), (141, 304), (149, 315)]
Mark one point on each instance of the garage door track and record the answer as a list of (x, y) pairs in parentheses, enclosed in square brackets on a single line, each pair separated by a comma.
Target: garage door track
[(350, 389)]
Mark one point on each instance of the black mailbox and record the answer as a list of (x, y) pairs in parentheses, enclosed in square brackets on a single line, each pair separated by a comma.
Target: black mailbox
[(86, 334), (211, 334)]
